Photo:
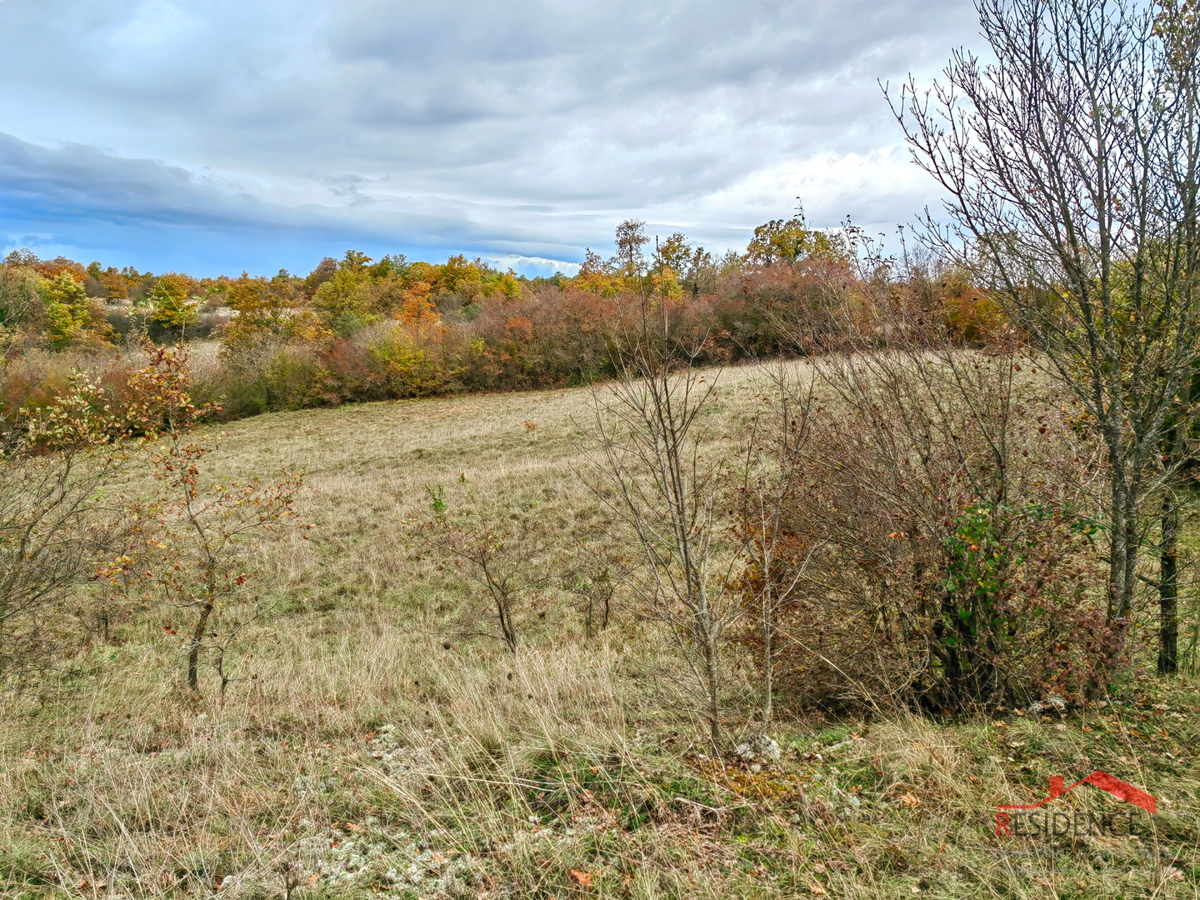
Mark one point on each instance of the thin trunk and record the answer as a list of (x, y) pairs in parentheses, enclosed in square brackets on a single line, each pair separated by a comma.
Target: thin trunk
[(506, 627), (1117, 551), (712, 677), (768, 665), (193, 677), (1124, 552), (1168, 588)]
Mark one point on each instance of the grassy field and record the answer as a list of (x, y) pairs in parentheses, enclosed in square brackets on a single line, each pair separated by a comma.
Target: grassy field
[(367, 745)]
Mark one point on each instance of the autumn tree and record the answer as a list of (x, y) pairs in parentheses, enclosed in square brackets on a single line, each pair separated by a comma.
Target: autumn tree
[(266, 308), (21, 297), (68, 310), (791, 241), (51, 466), (694, 269), (171, 304), (595, 275), (320, 274), (342, 299), (631, 237), (417, 307), (460, 278)]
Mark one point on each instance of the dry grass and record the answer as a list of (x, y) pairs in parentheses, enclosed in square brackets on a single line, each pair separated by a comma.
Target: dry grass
[(356, 753)]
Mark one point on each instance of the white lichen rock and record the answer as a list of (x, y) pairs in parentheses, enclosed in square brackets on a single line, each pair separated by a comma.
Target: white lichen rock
[(759, 748), (1052, 701)]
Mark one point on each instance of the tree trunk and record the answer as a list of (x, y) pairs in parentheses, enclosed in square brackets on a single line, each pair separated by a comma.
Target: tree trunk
[(1122, 551), (768, 664), (1168, 588), (193, 676), (712, 676)]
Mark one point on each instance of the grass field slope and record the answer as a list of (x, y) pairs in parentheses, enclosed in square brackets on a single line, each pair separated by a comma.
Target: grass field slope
[(374, 739)]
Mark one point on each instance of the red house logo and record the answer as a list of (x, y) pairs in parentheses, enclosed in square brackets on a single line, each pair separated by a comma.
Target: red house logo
[(1062, 823)]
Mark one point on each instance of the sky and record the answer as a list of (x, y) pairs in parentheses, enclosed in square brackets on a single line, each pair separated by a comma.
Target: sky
[(215, 136)]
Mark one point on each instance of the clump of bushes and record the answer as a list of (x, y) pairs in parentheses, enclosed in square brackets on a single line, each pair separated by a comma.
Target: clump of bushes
[(934, 541)]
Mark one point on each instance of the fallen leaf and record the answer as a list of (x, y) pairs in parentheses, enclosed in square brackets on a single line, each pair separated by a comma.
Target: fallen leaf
[(584, 879), (816, 889), (909, 800)]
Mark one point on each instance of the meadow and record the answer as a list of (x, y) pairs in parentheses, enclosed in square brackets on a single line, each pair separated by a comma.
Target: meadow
[(370, 742)]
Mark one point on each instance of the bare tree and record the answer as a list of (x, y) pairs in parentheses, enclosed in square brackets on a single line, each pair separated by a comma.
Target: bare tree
[(1070, 167), (770, 475), (499, 558), (662, 490), (595, 582)]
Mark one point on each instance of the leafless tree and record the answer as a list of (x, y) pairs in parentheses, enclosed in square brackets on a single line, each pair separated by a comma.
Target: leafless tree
[(662, 490), (499, 558), (771, 473), (1070, 167)]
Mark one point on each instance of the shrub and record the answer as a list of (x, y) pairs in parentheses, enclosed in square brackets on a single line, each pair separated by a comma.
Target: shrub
[(934, 546)]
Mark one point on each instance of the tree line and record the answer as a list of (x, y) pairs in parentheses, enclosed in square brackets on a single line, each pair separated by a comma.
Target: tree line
[(359, 329)]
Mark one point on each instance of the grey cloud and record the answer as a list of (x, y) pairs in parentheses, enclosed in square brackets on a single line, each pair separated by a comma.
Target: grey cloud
[(76, 186), (531, 126)]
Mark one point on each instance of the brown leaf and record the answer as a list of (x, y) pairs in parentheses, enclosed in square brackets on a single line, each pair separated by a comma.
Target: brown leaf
[(584, 879)]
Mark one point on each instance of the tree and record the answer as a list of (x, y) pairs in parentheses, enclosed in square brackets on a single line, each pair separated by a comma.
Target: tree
[(191, 542), (417, 307), (631, 238), (595, 275), (790, 242), (260, 309), (68, 310), (693, 267), (500, 559), (171, 304), (21, 299), (355, 261), (1070, 168), (1178, 26), (656, 477), (770, 476), (341, 300), (322, 273)]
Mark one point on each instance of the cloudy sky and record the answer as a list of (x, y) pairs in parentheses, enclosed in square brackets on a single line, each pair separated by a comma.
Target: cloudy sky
[(219, 135)]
